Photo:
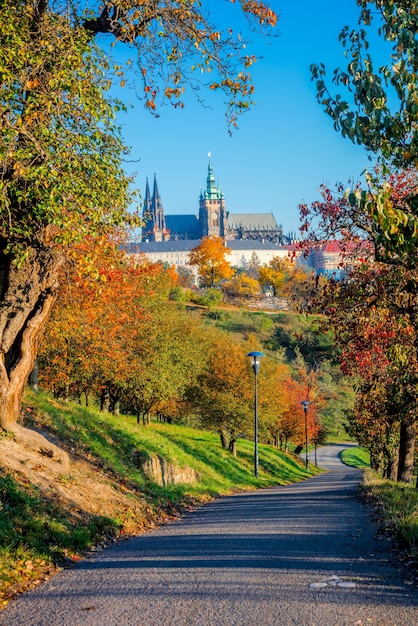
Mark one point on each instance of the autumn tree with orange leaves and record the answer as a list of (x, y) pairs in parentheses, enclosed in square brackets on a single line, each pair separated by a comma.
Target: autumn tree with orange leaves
[(223, 392), (89, 339), (118, 338), (210, 259)]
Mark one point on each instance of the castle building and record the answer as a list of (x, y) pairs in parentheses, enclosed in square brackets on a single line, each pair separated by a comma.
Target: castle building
[(213, 219)]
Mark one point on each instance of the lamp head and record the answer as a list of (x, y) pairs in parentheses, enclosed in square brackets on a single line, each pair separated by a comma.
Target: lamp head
[(255, 360)]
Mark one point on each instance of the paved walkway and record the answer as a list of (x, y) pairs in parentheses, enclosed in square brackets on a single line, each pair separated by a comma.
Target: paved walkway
[(301, 554)]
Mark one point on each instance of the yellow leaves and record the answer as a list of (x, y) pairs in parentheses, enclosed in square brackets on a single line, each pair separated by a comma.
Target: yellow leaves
[(19, 169), (170, 92), (249, 60)]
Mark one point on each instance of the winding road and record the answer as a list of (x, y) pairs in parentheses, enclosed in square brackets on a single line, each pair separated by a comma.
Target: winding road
[(303, 554)]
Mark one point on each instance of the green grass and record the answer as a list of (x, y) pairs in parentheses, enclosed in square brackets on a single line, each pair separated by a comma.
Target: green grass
[(356, 457), (36, 534), (397, 504), (111, 439), (37, 531)]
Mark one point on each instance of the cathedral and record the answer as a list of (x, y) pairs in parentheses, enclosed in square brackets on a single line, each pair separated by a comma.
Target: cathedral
[(213, 219)]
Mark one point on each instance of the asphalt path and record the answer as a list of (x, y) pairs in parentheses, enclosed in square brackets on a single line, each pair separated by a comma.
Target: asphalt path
[(303, 554)]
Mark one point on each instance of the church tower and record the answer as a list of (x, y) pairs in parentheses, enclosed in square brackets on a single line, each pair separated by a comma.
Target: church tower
[(212, 212), (155, 228)]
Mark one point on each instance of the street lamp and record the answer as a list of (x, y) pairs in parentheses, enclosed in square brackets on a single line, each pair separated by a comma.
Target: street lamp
[(255, 362), (305, 404)]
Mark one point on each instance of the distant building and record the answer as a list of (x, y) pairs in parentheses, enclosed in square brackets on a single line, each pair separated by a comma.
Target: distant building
[(243, 252), (333, 258), (213, 219)]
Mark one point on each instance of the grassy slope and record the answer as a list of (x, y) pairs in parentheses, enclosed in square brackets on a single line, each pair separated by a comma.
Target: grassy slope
[(356, 457), (396, 504), (49, 515)]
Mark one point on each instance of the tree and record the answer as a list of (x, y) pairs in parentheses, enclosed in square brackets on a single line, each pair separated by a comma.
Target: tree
[(273, 275), (62, 178), (374, 314), (210, 258), (164, 365), (61, 153), (88, 344), (380, 112), (223, 393), (284, 275), (242, 286), (121, 340)]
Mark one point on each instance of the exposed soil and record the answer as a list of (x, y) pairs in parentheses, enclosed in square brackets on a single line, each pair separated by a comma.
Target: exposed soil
[(82, 487), (84, 490)]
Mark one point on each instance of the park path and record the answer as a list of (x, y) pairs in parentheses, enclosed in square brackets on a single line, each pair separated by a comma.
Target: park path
[(302, 554)]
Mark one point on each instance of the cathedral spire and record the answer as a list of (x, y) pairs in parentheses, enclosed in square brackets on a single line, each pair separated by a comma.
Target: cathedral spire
[(147, 199), (155, 193), (211, 189), (155, 229)]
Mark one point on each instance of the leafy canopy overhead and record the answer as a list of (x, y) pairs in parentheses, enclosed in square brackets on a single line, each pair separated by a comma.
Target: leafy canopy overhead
[(60, 151), (380, 112), (182, 42)]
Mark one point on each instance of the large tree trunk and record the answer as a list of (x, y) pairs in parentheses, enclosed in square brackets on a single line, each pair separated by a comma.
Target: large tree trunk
[(406, 451), (27, 294)]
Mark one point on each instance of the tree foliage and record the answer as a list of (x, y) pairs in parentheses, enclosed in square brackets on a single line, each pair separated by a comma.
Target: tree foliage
[(223, 392), (210, 258), (380, 112), (381, 109), (121, 341), (284, 275), (242, 286), (62, 178), (180, 43), (61, 152), (373, 311)]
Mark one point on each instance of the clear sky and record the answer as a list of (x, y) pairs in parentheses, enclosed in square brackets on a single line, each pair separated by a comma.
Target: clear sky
[(285, 146)]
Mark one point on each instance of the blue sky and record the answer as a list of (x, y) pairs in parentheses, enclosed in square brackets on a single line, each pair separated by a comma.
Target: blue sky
[(285, 146)]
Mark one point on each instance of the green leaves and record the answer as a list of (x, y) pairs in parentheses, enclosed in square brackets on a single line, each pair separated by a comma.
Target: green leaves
[(60, 150), (367, 117)]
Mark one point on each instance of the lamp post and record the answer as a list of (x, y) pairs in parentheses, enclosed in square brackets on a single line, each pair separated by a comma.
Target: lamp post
[(255, 362), (305, 404)]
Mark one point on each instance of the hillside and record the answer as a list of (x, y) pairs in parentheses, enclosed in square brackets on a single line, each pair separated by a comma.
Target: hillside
[(50, 514)]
